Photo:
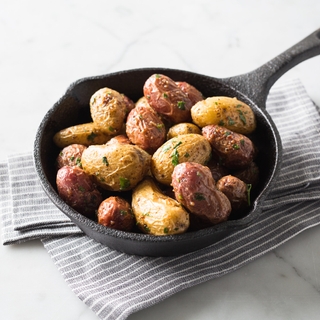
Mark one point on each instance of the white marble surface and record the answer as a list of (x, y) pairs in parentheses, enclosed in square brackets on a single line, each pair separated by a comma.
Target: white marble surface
[(46, 45)]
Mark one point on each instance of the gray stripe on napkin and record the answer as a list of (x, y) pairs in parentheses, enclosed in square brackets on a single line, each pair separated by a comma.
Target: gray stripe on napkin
[(14, 195)]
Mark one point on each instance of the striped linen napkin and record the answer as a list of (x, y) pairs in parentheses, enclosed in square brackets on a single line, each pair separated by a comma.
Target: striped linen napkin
[(115, 285)]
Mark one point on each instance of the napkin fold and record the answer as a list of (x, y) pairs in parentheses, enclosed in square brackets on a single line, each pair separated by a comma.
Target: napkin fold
[(115, 284)]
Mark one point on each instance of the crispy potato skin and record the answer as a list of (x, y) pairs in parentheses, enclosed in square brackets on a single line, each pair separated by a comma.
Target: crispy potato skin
[(166, 97), (116, 166), (70, 156), (195, 189), (157, 213), (78, 190), (236, 191), (108, 110), (234, 150), (115, 212), (224, 111), (145, 128), (86, 134), (188, 147), (182, 128)]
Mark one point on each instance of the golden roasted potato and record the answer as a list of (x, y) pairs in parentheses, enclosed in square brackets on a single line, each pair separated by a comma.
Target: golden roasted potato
[(224, 111), (116, 166), (108, 110), (184, 148), (86, 134), (157, 213), (182, 128)]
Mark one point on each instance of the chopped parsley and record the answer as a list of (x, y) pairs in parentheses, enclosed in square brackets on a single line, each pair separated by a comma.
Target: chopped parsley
[(91, 136), (175, 154), (181, 105), (124, 183), (166, 230), (242, 117), (230, 121), (105, 161), (199, 196)]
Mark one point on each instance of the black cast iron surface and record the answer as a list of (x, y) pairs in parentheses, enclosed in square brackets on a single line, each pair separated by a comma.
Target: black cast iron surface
[(252, 88)]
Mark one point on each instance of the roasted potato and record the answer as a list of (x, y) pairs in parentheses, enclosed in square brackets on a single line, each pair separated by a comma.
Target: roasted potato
[(166, 97), (116, 213), (187, 147), (70, 156), (116, 166), (236, 191), (234, 150), (145, 128), (86, 134), (78, 190), (108, 110), (224, 111), (157, 213), (195, 189), (182, 128)]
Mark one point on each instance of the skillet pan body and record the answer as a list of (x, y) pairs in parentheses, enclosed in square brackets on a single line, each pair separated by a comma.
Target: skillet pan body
[(73, 108)]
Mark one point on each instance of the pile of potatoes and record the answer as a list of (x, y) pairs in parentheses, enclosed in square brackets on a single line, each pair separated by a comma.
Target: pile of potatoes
[(172, 161)]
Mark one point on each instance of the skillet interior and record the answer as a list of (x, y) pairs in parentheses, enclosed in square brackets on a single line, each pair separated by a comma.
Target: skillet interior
[(73, 108)]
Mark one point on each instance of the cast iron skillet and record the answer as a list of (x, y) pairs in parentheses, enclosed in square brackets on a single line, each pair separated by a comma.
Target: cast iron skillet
[(252, 88)]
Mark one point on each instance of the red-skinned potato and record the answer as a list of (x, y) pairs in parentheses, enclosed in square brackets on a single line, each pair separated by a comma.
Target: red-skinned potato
[(234, 150), (145, 128), (78, 190), (70, 156), (166, 97), (115, 212), (195, 189)]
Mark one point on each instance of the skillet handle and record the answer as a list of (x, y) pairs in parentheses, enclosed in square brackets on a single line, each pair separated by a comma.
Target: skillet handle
[(257, 83)]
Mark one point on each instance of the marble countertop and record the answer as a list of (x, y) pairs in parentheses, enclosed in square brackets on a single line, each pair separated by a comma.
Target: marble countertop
[(46, 45)]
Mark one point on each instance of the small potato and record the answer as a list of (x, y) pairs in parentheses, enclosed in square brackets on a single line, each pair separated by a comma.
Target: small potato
[(236, 191), (195, 189), (108, 110), (116, 166), (115, 212), (166, 98), (234, 150), (70, 156), (86, 134), (145, 128), (224, 111), (193, 94), (78, 190), (182, 128), (157, 213), (187, 147)]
